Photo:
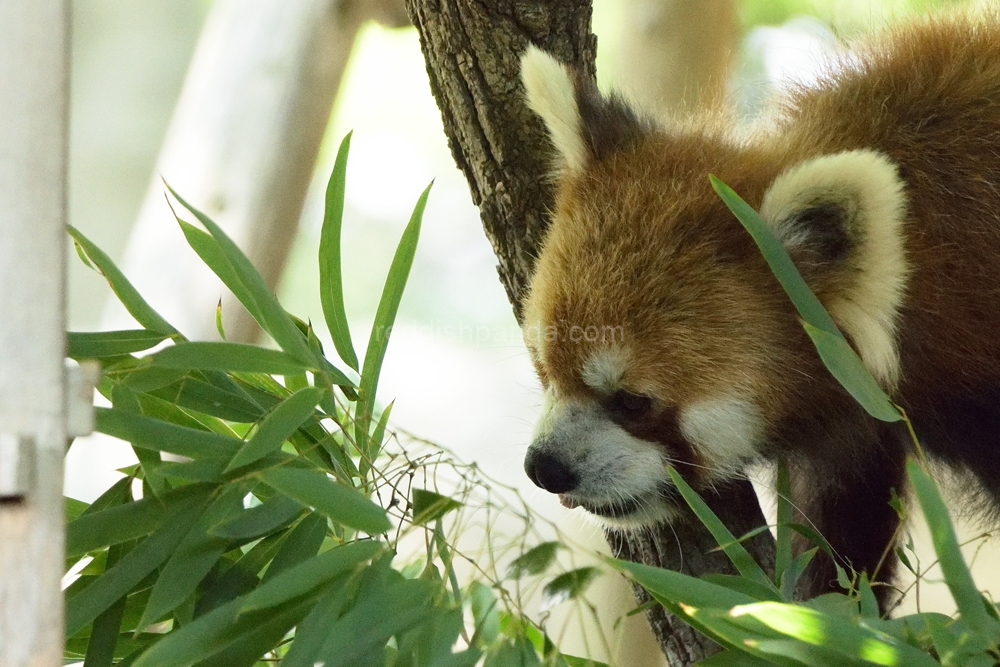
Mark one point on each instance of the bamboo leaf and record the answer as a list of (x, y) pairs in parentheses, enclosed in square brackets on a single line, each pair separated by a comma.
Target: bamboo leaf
[(274, 320), (806, 303), (736, 552), (228, 357), (207, 248), (96, 345), (193, 557), (838, 356), (118, 580), (568, 585), (429, 506), (969, 601), (123, 289), (123, 522), (278, 426), (154, 434), (331, 286), (272, 515), (303, 542), (845, 365), (310, 574), (534, 561), (385, 316), (341, 503)]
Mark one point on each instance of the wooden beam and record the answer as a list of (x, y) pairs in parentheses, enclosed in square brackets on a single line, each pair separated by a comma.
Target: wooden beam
[(33, 126)]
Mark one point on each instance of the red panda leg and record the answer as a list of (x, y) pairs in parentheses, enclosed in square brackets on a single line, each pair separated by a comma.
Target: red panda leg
[(849, 506)]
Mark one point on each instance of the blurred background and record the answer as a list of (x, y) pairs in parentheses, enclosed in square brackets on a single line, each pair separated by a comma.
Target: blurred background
[(251, 140)]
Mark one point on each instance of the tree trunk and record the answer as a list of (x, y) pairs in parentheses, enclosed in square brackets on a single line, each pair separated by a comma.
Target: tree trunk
[(472, 50)]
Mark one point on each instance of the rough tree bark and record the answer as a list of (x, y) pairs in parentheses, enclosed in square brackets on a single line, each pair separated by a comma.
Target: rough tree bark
[(472, 50)]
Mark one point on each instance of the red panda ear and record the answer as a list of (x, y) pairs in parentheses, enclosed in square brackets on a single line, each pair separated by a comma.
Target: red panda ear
[(840, 217), (584, 126)]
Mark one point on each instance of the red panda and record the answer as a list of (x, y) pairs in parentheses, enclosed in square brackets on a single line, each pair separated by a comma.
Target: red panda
[(660, 335)]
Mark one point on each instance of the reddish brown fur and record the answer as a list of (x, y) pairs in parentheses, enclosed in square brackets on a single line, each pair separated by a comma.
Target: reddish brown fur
[(639, 240)]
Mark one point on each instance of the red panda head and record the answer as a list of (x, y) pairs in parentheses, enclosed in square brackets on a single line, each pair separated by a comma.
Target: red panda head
[(657, 330)]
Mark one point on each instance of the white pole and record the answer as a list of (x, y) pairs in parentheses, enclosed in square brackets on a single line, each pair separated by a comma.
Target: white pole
[(33, 111)]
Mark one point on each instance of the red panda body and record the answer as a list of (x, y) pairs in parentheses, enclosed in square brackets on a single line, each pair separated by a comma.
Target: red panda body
[(661, 336)]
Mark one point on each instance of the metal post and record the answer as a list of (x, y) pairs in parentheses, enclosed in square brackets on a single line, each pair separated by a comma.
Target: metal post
[(33, 112)]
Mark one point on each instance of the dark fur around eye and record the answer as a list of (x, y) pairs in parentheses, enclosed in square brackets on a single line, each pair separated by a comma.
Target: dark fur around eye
[(626, 406)]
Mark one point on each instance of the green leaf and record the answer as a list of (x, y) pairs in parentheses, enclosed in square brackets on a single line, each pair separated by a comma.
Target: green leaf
[(534, 561), (734, 659), (124, 522), (278, 426), (361, 634), (133, 568), (309, 575), (568, 585), (73, 508), (341, 503), (783, 538), (273, 514), (485, 612), (836, 353), (771, 247), (331, 288), (96, 345), (313, 630), (744, 562), (845, 365), (385, 316), (303, 542), (517, 652), (107, 626), (848, 637), (158, 435), (273, 318), (225, 402), (985, 629), (207, 248), (429, 506), (228, 357), (214, 632), (123, 289), (194, 556)]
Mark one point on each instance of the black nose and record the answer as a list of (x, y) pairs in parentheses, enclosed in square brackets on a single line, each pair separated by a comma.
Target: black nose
[(548, 472)]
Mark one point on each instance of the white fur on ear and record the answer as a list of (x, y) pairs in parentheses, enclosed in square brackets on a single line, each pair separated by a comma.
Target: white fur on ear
[(551, 95), (869, 183)]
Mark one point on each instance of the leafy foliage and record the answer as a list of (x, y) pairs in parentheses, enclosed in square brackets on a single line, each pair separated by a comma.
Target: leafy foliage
[(263, 520)]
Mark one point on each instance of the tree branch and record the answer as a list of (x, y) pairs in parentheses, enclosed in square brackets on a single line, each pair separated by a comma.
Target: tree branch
[(472, 49)]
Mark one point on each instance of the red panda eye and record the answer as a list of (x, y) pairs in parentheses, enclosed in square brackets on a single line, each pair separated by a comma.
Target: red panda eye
[(626, 405)]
